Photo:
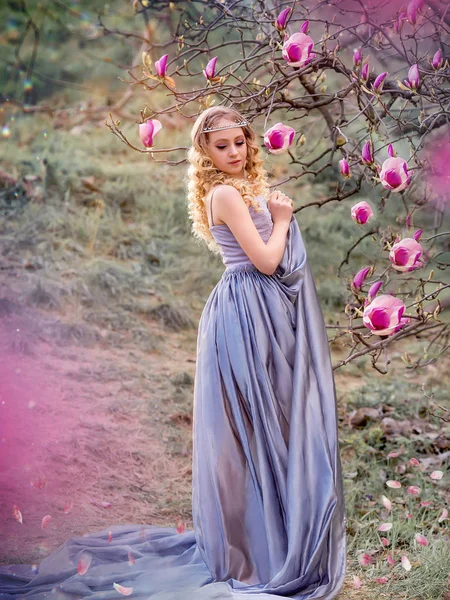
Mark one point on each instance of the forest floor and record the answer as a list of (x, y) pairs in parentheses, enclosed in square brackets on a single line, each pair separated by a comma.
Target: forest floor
[(99, 435)]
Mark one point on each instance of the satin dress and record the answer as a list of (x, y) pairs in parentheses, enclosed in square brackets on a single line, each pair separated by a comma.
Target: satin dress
[(267, 491)]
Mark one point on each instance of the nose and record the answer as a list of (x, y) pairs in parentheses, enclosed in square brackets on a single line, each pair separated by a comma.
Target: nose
[(233, 151)]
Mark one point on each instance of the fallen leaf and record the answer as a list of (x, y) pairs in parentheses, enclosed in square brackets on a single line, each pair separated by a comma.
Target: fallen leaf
[(381, 579), (385, 541), (131, 558), (414, 490), (89, 183), (385, 527), (68, 507), (357, 583), (109, 537), (436, 475)]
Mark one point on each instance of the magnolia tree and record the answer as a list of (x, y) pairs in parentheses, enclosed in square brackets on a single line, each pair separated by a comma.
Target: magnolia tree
[(377, 76)]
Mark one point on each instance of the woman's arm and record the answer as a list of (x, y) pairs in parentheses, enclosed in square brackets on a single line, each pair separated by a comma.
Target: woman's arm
[(229, 207)]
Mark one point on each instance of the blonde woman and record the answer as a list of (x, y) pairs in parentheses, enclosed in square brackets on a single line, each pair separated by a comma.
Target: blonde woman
[(268, 505)]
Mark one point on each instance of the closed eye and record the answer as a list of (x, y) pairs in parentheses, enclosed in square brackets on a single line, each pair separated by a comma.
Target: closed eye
[(222, 147)]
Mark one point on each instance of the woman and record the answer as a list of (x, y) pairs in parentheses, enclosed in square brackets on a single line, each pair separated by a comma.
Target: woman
[(268, 505)]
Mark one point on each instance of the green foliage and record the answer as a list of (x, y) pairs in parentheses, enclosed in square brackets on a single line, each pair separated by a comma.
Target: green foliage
[(71, 48)]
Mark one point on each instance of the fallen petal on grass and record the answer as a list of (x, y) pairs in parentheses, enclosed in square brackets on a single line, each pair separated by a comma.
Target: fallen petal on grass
[(405, 563), (125, 591), (392, 483)]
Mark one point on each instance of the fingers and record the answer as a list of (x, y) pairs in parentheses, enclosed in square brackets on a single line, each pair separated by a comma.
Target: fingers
[(277, 194)]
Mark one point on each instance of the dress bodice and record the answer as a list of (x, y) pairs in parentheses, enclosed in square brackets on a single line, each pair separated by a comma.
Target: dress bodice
[(231, 251)]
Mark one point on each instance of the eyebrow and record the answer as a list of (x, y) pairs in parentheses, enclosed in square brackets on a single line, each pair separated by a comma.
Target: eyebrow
[(226, 139)]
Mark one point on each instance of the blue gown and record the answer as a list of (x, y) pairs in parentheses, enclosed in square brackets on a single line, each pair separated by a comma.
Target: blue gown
[(267, 491)]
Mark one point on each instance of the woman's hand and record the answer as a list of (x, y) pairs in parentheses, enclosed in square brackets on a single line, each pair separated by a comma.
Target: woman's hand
[(280, 206)]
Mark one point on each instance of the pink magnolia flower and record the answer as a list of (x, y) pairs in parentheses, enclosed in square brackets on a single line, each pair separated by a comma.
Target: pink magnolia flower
[(361, 212), (282, 19), (394, 174), (210, 68), (367, 153), (406, 255), (398, 25), (360, 277), (161, 65), (148, 130), (391, 151), (373, 291), (297, 50), (278, 138), (412, 9), (413, 77), (365, 71), (378, 83), (345, 169), (437, 60), (305, 27), (383, 316), (357, 57)]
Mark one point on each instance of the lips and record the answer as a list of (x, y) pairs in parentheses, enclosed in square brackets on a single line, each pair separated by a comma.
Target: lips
[(235, 162)]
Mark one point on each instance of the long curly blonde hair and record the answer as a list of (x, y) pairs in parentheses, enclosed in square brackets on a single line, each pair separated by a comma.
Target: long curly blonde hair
[(202, 174)]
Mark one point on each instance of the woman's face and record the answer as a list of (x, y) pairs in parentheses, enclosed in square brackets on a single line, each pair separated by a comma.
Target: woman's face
[(227, 146)]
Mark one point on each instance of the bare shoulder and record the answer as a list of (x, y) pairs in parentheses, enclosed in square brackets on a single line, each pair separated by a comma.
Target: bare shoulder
[(227, 196), (226, 199)]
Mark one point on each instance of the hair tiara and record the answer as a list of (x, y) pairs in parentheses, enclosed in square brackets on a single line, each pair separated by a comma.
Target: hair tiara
[(236, 123)]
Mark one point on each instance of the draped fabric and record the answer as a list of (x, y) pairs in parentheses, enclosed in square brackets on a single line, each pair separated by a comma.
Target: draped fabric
[(267, 494)]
